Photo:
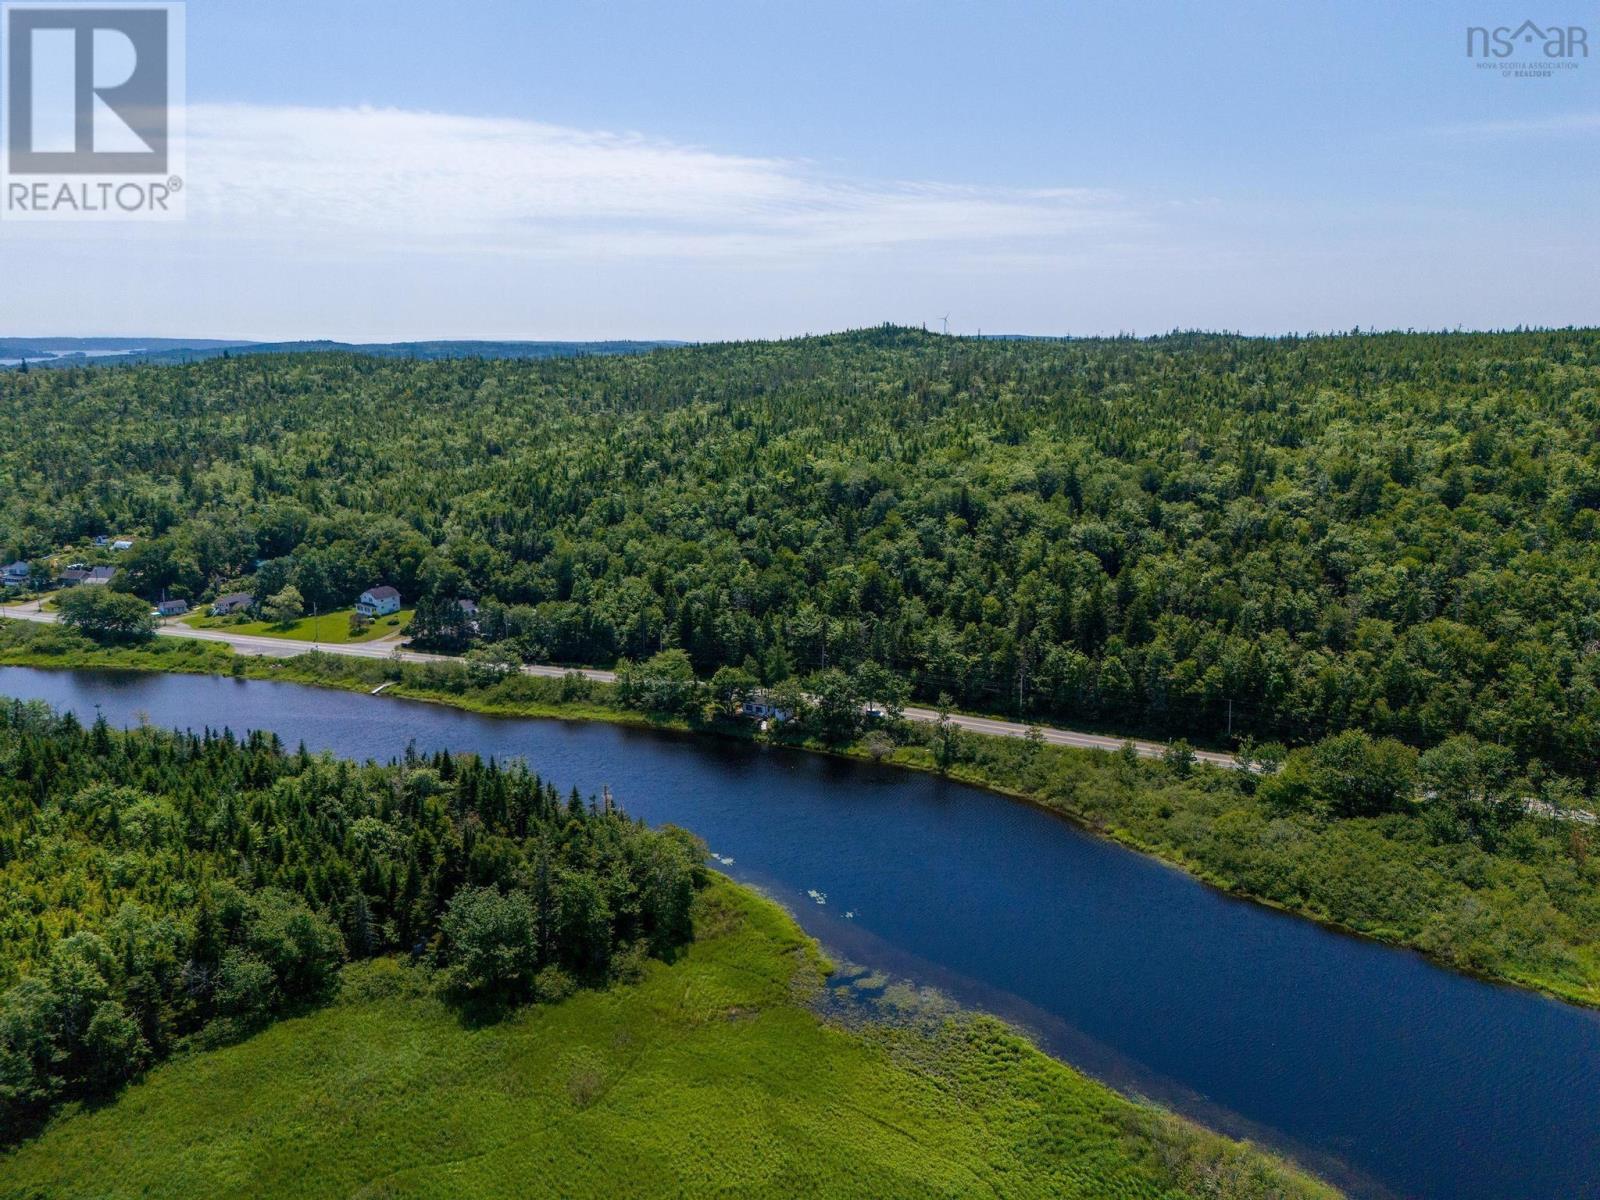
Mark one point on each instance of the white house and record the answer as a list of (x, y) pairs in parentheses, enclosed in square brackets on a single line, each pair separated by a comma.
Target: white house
[(172, 608), (760, 706), (122, 544), (378, 602), (16, 574), (231, 603)]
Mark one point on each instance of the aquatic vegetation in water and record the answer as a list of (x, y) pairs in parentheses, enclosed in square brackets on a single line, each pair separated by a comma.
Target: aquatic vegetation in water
[(693, 1080)]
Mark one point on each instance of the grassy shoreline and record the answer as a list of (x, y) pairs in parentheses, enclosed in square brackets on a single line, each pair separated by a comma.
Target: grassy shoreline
[(714, 1074), (1530, 919)]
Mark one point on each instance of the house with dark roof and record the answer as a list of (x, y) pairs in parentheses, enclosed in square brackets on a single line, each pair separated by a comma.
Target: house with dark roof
[(16, 574), (231, 603), (378, 602), (99, 575), (72, 577)]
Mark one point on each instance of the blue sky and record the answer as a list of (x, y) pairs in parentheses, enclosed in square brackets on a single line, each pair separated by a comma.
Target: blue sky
[(699, 170)]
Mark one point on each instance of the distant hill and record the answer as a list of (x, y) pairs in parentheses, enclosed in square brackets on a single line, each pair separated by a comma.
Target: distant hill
[(62, 352)]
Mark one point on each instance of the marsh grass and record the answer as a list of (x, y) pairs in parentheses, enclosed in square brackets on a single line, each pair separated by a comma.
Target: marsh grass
[(706, 1078)]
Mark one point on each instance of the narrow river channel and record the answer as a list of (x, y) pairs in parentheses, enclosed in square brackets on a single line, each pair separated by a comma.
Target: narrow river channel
[(1386, 1074)]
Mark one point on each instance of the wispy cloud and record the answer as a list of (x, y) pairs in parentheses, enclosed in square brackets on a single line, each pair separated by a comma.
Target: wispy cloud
[(434, 181), (1558, 125), (385, 224)]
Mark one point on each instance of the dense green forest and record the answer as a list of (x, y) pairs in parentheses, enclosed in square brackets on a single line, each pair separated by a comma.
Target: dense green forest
[(161, 890), (1286, 537)]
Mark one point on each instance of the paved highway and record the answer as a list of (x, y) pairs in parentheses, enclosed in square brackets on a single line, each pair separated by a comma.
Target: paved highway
[(390, 649), (1063, 737)]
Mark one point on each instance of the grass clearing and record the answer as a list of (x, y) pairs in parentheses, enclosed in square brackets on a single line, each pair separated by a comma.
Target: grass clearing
[(331, 628), (711, 1076)]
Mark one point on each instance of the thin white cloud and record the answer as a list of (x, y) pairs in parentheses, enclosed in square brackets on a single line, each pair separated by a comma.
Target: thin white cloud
[(428, 181), (384, 225), (1560, 125)]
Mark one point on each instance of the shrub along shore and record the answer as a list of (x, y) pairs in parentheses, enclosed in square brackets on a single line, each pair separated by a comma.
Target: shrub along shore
[(1334, 832)]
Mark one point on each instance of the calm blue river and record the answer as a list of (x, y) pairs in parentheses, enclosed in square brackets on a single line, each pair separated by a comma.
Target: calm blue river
[(1387, 1075)]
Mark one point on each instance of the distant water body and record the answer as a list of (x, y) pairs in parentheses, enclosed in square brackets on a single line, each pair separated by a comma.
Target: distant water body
[(53, 355)]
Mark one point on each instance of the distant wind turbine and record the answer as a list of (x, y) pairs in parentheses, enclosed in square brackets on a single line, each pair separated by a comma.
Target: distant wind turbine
[(945, 320)]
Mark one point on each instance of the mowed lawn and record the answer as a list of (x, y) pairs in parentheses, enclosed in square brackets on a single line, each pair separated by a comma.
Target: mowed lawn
[(710, 1077), (330, 627)]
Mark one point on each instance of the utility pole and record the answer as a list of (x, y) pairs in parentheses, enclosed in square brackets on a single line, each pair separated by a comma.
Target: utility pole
[(1230, 716)]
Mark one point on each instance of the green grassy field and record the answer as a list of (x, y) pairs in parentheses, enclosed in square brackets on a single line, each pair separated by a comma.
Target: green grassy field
[(709, 1077), (332, 628)]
